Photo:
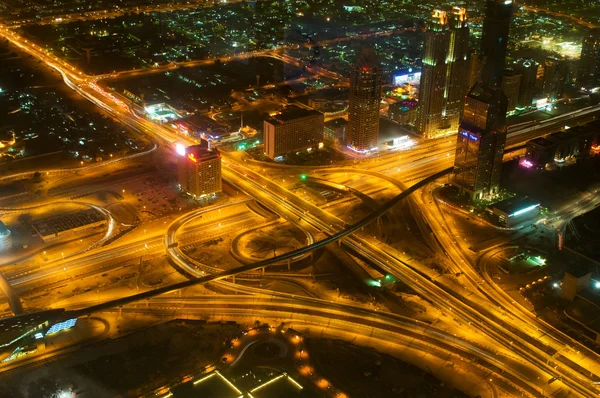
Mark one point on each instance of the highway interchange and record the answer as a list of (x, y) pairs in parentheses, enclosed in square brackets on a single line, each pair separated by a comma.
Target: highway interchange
[(522, 350)]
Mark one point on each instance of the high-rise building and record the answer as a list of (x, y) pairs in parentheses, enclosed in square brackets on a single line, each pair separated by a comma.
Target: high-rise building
[(480, 143), (528, 70), (474, 66), (494, 39), (555, 78), (444, 75), (588, 75), (482, 132), (511, 84), (362, 134), (199, 170), (293, 129)]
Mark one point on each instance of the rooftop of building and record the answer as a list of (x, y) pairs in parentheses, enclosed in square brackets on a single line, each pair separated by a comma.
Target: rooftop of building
[(561, 136), (366, 58), (516, 205), (585, 130), (481, 93), (291, 112), (578, 272), (339, 122), (405, 104), (201, 152), (511, 73), (541, 141)]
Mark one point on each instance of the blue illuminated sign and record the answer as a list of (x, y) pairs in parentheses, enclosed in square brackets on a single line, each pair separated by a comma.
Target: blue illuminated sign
[(68, 324), (525, 210), (469, 135)]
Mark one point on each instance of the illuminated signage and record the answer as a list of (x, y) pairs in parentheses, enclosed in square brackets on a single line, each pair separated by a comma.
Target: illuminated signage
[(523, 211), (68, 324), (192, 158), (180, 149), (412, 78), (469, 135), (526, 163), (541, 103)]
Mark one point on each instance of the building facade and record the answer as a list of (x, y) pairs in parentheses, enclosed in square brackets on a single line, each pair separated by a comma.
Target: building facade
[(540, 152), (335, 131), (199, 170), (444, 74), (511, 84), (480, 143), (588, 75), (494, 39), (528, 70), (482, 132), (403, 112), (555, 78), (293, 129), (362, 134), (474, 67)]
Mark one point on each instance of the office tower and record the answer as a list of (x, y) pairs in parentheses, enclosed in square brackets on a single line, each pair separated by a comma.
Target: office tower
[(511, 84), (528, 70), (365, 95), (458, 58), (555, 76), (444, 75), (474, 66), (494, 39), (588, 75), (293, 129), (199, 170), (482, 132), (480, 143)]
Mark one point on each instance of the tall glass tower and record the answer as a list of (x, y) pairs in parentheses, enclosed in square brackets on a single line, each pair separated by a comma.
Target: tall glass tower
[(365, 97), (494, 39), (445, 59), (482, 131)]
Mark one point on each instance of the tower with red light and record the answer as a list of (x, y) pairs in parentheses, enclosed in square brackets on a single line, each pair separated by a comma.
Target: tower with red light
[(199, 170)]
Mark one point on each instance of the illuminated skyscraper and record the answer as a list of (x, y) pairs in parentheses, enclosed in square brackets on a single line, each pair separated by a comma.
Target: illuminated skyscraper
[(588, 75), (365, 95), (199, 170), (494, 39), (482, 132), (474, 66), (480, 143), (444, 75)]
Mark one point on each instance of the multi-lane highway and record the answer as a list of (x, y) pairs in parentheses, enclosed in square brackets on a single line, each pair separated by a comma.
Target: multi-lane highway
[(516, 335)]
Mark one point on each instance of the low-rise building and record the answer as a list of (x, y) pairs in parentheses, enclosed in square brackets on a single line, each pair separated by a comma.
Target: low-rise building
[(335, 131), (403, 112), (567, 145), (513, 211), (540, 152), (575, 281), (68, 224), (293, 129), (587, 139)]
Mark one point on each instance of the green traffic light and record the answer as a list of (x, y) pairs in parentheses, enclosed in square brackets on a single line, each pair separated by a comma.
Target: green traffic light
[(303, 177)]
